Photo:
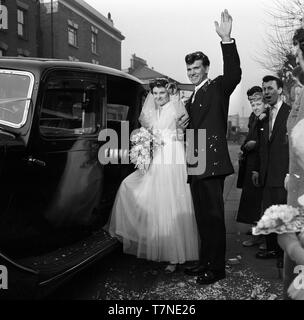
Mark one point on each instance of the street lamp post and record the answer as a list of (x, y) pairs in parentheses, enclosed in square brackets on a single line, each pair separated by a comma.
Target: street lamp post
[(52, 31)]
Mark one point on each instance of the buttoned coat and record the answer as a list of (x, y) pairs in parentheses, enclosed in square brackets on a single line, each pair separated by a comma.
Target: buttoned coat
[(209, 111)]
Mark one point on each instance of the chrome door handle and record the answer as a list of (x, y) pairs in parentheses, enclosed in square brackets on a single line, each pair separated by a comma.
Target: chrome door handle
[(32, 160)]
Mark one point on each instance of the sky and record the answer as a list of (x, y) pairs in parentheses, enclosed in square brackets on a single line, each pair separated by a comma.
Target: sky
[(163, 31)]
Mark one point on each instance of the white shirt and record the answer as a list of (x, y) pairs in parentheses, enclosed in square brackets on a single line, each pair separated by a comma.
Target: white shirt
[(275, 110), (197, 88)]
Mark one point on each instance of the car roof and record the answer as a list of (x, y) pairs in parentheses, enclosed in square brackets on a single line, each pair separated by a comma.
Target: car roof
[(39, 65)]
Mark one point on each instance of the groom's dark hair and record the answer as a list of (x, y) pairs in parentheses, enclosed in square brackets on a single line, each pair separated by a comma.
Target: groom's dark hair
[(198, 55), (273, 78)]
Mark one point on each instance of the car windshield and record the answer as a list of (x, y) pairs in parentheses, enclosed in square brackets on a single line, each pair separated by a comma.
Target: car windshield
[(15, 94)]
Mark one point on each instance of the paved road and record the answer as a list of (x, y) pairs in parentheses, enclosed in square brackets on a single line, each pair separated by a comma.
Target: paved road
[(120, 276)]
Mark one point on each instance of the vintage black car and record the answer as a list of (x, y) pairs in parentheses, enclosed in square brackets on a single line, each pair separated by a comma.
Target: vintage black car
[(55, 194)]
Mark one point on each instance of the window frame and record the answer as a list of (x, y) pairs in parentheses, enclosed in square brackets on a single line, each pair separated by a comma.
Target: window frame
[(94, 42), (85, 76), (73, 31), (29, 97), (22, 23)]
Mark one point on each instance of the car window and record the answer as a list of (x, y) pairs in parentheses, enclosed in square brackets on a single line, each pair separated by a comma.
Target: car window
[(15, 94), (117, 112), (70, 107)]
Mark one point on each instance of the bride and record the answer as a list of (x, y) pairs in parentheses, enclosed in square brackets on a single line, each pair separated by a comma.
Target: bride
[(153, 214)]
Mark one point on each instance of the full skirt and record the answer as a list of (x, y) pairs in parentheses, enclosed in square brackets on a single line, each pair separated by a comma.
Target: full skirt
[(153, 213)]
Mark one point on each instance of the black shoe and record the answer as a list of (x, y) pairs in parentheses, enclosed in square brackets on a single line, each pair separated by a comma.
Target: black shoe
[(209, 277), (267, 254), (195, 271)]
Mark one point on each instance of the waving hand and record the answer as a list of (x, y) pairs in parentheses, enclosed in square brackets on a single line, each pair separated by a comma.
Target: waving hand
[(224, 29)]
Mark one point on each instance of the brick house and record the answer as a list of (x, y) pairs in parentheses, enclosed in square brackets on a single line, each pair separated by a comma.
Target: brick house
[(62, 29), (20, 38), (76, 31)]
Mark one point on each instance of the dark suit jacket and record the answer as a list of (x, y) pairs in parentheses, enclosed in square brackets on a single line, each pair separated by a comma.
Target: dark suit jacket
[(249, 158), (209, 111), (273, 158)]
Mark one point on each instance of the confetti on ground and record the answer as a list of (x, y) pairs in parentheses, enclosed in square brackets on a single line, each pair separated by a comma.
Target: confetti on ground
[(238, 285)]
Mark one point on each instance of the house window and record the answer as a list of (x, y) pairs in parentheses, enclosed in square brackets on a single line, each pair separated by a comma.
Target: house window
[(94, 42), (72, 36), (21, 22), (3, 16)]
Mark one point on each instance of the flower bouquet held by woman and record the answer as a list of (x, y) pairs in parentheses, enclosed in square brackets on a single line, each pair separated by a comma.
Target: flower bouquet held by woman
[(144, 144), (280, 219), (285, 218)]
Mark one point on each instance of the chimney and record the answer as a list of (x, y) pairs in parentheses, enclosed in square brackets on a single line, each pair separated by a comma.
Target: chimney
[(137, 62), (110, 17)]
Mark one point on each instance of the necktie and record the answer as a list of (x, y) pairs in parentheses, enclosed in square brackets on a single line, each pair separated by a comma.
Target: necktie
[(193, 97), (272, 116)]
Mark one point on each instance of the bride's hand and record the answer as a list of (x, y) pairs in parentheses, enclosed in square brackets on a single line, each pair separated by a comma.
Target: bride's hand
[(224, 29), (182, 122)]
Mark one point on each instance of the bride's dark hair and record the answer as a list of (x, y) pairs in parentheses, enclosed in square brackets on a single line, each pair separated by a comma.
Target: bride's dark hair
[(161, 82)]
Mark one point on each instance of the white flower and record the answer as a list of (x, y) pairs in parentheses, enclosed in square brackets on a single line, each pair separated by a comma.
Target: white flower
[(286, 216), (266, 222), (301, 200), (262, 116), (278, 218), (141, 153)]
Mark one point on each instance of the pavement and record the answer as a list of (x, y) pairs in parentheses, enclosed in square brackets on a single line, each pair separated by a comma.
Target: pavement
[(124, 277)]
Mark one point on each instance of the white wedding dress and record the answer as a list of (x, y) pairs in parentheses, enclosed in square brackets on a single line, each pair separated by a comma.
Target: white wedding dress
[(153, 213)]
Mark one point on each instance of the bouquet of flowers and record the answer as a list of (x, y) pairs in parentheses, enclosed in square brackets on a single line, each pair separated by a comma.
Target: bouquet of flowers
[(280, 219), (144, 143)]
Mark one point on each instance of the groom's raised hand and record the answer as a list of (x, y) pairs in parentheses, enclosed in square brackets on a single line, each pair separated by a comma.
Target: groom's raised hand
[(224, 29)]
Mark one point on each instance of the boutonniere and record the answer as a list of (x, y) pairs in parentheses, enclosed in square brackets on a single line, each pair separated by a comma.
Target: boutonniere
[(206, 85), (264, 114)]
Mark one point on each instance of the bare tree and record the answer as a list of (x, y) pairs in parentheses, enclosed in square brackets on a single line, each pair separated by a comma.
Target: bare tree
[(286, 17)]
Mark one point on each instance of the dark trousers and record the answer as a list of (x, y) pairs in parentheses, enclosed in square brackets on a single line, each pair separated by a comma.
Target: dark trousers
[(273, 196), (208, 202)]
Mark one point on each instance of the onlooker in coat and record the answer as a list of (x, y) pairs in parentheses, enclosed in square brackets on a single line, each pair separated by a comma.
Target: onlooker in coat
[(273, 160), (250, 206)]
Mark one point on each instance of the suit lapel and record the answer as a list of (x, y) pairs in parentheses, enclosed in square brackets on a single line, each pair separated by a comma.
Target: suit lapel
[(280, 119), (198, 107)]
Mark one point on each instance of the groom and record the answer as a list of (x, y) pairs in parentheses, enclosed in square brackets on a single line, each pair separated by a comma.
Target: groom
[(208, 109)]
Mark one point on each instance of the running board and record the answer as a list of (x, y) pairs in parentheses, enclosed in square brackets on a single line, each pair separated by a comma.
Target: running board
[(48, 271)]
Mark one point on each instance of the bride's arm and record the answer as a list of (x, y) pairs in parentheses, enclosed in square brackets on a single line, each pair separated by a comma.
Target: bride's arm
[(182, 120)]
